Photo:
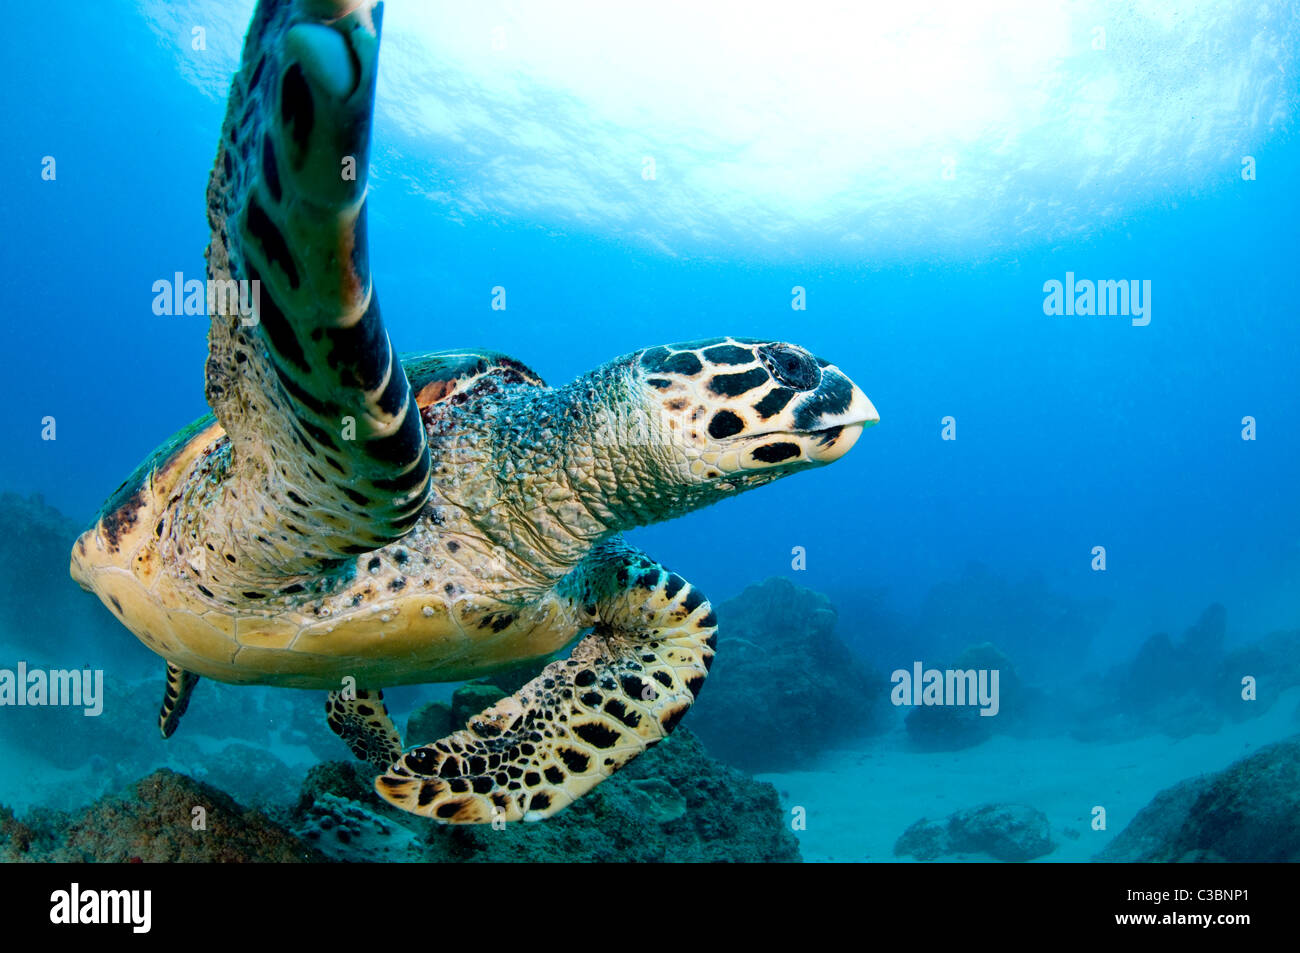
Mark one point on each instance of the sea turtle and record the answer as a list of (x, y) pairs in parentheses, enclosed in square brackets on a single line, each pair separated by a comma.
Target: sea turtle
[(348, 521)]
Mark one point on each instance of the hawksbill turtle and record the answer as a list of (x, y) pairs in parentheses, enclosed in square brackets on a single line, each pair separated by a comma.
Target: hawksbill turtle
[(347, 521)]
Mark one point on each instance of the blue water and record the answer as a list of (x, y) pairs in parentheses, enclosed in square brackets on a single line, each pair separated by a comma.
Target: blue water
[(1072, 432)]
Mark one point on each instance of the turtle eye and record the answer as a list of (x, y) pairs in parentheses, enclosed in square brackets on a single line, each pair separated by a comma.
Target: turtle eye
[(791, 366)]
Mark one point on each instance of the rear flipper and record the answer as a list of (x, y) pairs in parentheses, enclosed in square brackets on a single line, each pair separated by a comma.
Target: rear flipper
[(176, 698), (623, 689), (363, 723)]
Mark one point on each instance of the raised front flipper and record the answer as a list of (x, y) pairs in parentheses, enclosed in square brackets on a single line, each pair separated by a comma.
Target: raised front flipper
[(327, 455), (623, 689)]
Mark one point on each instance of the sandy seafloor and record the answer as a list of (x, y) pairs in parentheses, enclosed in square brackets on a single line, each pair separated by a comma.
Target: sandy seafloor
[(860, 800)]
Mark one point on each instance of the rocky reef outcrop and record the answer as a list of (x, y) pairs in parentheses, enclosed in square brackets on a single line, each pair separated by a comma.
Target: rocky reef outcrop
[(1186, 686), (1009, 832), (1250, 811), (784, 686), (951, 727), (1045, 630), (163, 818), (674, 803), (347, 831)]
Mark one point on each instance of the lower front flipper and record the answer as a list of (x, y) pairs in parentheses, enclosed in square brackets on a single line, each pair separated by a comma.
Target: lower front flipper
[(624, 688)]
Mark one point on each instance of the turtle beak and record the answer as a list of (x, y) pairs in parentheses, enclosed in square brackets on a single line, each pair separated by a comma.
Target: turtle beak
[(841, 431)]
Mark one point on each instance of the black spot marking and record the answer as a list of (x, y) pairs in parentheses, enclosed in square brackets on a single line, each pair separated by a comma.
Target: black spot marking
[(448, 810), (774, 402), (271, 239), (554, 775), (540, 802), (402, 523), (403, 446), (654, 357), (620, 711), (408, 480), (584, 678), (694, 684), (694, 599), (683, 363), (672, 717), (725, 424), (361, 353), (657, 360), (270, 172), (293, 389), (776, 452), (575, 761), (729, 354), (731, 385), (597, 735), (296, 106), (390, 401)]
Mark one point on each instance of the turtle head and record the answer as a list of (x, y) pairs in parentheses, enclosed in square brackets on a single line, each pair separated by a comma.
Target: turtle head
[(658, 433), (734, 412)]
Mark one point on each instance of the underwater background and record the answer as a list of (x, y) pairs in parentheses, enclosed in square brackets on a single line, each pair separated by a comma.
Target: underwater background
[(892, 190)]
